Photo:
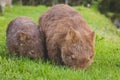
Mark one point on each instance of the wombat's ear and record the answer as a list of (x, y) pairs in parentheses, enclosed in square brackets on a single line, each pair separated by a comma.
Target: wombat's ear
[(72, 35), (91, 37)]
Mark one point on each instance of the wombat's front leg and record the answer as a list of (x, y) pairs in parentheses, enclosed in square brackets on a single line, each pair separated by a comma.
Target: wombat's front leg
[(54, 54)]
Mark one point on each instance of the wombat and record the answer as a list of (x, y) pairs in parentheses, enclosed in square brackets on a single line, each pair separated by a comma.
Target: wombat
[(24, 38), (69, 39)]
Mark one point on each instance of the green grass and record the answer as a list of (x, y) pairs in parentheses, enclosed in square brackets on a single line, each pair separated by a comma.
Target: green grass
[(106, 65)]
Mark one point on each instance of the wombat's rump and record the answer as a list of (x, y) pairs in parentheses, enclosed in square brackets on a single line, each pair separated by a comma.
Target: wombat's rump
[(69, 39), (24, 38)]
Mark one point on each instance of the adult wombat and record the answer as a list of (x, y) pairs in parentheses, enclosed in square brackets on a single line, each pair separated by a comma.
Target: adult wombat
[(69, 39), (24, 38)]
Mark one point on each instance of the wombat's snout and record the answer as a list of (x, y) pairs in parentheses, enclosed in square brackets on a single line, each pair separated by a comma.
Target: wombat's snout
[(82, 63)]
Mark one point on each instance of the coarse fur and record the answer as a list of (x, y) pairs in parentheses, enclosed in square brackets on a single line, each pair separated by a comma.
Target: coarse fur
[(24, 38), (69, 39)]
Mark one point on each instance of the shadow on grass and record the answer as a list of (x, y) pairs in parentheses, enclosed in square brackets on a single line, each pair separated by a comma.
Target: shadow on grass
[(4, 54)]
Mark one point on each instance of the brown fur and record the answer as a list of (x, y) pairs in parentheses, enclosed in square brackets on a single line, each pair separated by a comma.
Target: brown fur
[(69, 39), (24, 38)]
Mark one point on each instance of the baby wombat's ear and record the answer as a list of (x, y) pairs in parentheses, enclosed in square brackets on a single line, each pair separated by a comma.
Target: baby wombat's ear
[(72, 35)]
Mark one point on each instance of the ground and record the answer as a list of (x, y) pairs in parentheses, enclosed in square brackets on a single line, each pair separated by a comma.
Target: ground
[(106, 65)]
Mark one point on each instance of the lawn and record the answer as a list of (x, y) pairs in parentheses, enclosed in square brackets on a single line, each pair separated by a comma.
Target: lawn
[(106, 65)]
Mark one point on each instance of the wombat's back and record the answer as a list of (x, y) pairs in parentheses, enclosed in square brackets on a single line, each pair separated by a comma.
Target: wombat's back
[(24, 38), (58, 12), (62, 12)]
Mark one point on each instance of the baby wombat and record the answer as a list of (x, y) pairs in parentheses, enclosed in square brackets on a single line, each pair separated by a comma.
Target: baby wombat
[(69, 39), (24, 38)]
